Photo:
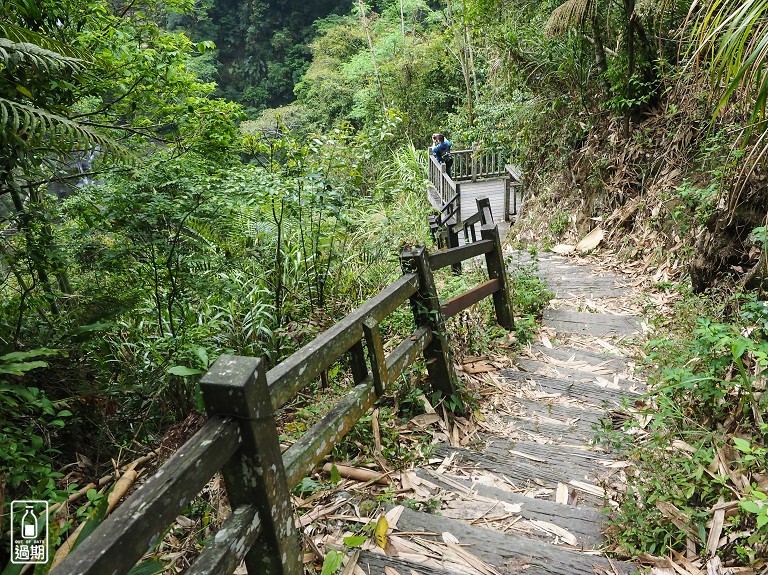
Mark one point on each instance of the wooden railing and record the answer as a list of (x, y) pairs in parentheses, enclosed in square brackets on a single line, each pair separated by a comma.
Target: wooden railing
[(477, 164), (240, 437), (447, 191), (470, 165)]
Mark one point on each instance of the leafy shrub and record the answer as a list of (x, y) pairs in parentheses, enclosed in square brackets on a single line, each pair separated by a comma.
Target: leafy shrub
[(29, 423)]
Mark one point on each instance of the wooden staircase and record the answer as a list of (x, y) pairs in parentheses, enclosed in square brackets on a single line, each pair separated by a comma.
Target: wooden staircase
[(530, 496)]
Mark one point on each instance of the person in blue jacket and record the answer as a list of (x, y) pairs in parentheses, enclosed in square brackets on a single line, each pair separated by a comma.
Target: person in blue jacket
[(441, 148)]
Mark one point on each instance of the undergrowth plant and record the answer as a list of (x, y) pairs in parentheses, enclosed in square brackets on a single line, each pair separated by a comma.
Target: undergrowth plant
[(705, 445), (530, 296)]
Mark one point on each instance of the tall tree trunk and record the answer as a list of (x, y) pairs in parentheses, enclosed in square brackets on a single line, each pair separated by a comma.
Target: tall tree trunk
[(599, 45), (629, 13), (366, 26), (462, 55)]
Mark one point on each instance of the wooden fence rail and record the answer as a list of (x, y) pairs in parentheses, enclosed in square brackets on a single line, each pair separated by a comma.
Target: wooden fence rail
[(240, 437)]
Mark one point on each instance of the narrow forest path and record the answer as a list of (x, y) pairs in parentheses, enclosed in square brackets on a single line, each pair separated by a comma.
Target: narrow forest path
[(522, 491)]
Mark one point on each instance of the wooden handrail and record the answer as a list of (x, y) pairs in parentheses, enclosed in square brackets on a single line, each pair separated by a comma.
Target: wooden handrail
[(451, 256), (240, 437), (290, 376), (126, 535)]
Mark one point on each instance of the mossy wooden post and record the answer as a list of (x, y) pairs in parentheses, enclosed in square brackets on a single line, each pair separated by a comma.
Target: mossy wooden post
[(376, 354), (494, 259), (357, 362), (507, 187), (237, 387), (457, 194), (426, 311)]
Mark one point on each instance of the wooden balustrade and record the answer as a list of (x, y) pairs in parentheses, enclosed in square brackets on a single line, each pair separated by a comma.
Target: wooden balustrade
[(240, 437)]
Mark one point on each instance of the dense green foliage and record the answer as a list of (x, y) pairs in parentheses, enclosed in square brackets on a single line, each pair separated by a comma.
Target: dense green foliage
[(261, 46), (147, 228)]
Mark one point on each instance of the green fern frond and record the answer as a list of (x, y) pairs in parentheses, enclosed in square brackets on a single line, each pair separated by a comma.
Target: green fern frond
[(21, 35), (19, 121), (31, 54), (568, 15)]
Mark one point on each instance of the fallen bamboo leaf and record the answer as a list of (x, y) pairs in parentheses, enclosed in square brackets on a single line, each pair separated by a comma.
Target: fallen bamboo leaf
[(425, 419), (548, 527), (591, 240), (561, 495), (526, 456), (380, 532), (713, 537), (393, 516), (588, 488), (563, 249), (479, 367), (677, 517), (449, 537), (319, 512), (349, 568)]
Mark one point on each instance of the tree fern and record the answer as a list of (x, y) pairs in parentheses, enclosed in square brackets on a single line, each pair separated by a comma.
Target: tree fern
[(20, 123), (26, 53), (21, 35)]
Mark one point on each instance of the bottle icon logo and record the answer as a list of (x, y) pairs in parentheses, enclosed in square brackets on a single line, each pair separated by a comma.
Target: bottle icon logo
[(29, 523), (29, 532)]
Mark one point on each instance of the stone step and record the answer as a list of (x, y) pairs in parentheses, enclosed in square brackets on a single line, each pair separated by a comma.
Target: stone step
[(618, 363), (574, 415), (479, 503), (542, 424), (507, 553)]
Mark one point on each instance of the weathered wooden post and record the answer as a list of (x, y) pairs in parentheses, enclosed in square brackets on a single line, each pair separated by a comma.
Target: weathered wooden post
[(426, 311), (376, 354), (237, 387), (484, 207), (458, 202), (357, 362), (453, 242), (494, 259), (507, 187)]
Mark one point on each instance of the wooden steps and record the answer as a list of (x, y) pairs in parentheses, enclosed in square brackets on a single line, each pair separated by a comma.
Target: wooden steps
[(594, 324), (600, 376), (563, 353), (532, 385), (477, 500), (504, 552), (528, 496)]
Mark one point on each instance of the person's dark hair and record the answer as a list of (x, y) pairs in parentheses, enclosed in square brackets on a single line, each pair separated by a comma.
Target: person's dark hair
[(440, 138)]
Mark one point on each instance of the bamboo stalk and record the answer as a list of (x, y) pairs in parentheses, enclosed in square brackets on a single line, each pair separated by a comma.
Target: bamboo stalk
[(121, 487), (358, 474)]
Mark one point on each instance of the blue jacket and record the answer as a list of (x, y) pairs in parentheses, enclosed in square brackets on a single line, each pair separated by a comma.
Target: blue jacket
[(441, 149)]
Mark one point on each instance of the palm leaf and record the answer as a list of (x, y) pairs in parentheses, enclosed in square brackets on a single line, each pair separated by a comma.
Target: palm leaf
[(568, 15)]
